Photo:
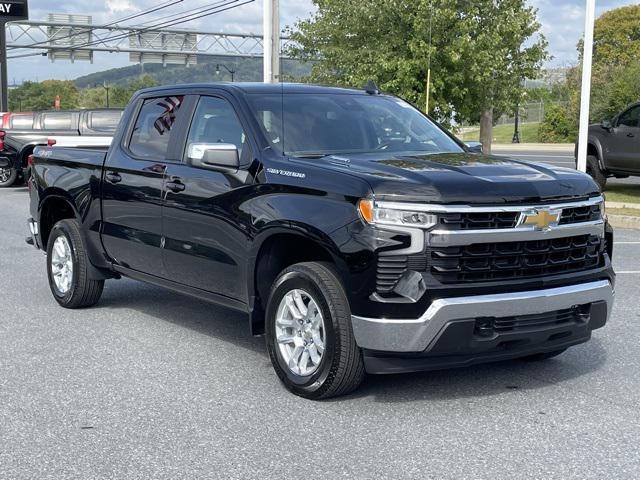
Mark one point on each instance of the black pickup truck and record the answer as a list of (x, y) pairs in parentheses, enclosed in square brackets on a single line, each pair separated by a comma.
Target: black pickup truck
[(16, 144), (355, 232), (614, 146)]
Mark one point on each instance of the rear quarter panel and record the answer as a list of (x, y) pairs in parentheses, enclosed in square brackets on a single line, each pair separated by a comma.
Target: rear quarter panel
[(74, 175)]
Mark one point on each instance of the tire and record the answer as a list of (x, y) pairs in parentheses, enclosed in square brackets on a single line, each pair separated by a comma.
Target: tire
[(80, 291), (538, 357), (8, 176), (340, 369), (593, 169)]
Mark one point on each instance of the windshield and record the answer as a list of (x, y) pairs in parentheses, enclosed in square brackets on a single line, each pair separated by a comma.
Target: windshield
[(325, 124)]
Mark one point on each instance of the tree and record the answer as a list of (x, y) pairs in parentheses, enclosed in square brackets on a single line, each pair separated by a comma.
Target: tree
[(615, 72), (616, 38), (42, 95), (481, 51)]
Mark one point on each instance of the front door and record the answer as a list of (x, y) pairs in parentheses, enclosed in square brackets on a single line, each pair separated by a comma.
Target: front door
[(206, 233), (133, 179), (624, 141)]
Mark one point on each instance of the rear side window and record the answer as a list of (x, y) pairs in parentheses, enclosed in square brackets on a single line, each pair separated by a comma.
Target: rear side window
[(106, 121), (58, 121), (157, 117)]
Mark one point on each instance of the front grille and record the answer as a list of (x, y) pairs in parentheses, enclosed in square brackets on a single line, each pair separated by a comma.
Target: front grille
[(588, 213), (478, 220), (486, 326), (496, 220), (508, 260)]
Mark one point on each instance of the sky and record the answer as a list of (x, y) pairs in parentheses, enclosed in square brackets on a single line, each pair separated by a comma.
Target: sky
[(562, 24)]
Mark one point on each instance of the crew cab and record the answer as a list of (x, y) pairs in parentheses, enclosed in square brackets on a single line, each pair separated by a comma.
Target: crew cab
[(47, 128), (614, 146), (353, 231)]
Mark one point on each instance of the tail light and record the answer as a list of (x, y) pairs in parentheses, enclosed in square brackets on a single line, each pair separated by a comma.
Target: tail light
[(51, 142), (2, 135)]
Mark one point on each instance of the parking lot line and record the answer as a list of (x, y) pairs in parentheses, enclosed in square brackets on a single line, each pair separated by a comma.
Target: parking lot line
[(628, 271)]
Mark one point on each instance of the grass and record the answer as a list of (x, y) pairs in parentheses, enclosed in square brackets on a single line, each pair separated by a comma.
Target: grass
[(623, 193), (629, 212), (504, 133)]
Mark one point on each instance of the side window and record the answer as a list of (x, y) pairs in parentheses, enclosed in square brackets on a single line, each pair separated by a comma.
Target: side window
[(150, 137), (630, 118), (215, 121)]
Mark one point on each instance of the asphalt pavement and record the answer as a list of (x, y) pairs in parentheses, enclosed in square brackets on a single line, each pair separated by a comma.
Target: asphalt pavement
[(556, 158), (152, 384)]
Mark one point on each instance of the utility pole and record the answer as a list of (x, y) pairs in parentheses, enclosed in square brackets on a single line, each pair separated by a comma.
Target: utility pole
[(106, 87), (271, 42), (585, 92), (4, 85)]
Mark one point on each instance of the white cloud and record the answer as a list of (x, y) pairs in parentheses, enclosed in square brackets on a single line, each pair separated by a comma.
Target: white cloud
[(118, 6)]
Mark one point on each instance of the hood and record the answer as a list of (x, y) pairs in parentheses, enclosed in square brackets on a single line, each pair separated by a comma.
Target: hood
[(462, 178)]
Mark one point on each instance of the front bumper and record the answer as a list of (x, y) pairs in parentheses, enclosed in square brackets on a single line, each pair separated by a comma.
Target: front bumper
[(447, 333)]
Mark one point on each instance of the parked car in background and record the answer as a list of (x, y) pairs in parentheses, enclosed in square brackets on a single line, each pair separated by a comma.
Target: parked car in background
[(353, 231), (614, 146), (46, 128)]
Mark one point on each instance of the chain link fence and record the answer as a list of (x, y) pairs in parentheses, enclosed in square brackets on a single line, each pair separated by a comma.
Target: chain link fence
[(529, 113)]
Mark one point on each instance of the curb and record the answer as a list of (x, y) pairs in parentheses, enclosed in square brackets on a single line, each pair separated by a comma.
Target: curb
[(546, 147), (623, 205), (624, 221)]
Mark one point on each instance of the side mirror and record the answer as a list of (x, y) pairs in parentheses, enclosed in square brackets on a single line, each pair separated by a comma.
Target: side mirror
[(221, 157), (474, 147), (606, 124)]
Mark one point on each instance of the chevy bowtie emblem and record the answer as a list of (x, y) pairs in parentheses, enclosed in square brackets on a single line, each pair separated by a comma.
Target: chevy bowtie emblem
[(541, 219)]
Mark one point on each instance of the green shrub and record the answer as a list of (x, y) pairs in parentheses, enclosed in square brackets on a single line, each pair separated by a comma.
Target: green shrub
[(558, 125)]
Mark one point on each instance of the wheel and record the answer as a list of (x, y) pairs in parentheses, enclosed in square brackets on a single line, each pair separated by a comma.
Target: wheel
[(8, 176), (67, 267), (309, 335), (593, 169), (543, 356)]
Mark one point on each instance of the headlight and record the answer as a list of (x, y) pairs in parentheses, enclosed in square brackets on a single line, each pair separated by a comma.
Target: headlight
[(374, 214), (603, 213)]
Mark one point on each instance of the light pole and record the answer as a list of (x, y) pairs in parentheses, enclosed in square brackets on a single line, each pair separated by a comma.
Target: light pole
[(516, 127), (230, 70), (585, 91), (106, 87)]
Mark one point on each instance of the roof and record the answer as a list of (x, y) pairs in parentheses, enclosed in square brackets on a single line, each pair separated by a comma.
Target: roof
[(262, 88)]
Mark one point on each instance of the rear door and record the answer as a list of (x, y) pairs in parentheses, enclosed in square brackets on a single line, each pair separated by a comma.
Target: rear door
[(132, 186), (624, 142), (206, 232)]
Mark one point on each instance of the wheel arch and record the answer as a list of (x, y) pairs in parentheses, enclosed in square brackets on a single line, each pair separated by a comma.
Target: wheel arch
[(594, 147), (274, 251), (55, 205)]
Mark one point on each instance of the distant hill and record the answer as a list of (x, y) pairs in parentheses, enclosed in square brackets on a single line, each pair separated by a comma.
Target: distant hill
[(247, 70)]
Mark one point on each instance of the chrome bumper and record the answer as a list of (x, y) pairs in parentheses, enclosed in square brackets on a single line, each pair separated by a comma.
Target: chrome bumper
[(418, 335)]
